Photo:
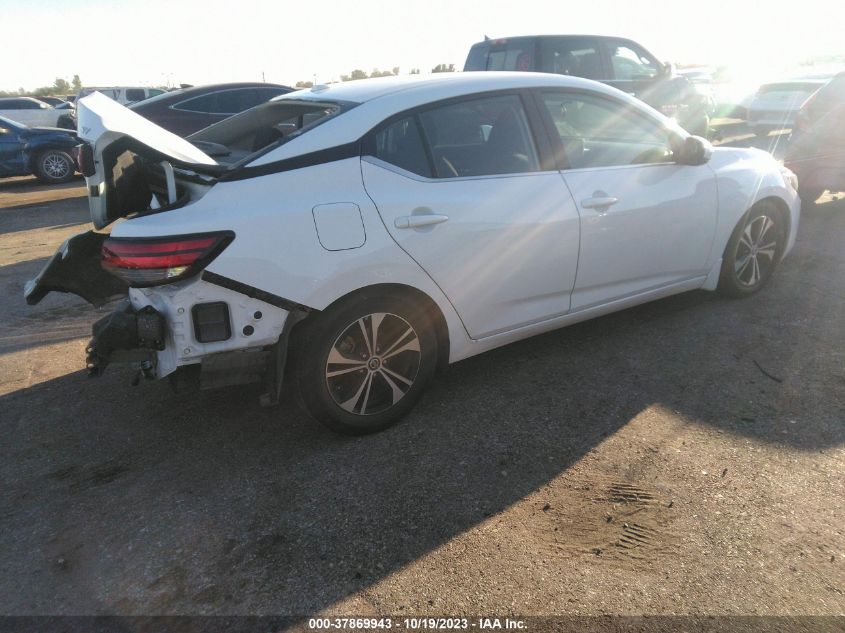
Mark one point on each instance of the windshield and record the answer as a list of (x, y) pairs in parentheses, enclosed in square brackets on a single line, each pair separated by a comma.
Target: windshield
[(261, 128)]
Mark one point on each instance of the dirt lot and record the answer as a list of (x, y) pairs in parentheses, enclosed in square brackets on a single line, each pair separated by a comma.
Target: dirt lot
[(685, 456)]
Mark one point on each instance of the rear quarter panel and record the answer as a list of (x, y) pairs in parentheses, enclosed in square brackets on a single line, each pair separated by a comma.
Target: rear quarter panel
[(277, 248)]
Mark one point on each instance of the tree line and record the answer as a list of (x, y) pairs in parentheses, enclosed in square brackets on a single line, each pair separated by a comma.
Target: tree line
[(362, 74), (60, 86)]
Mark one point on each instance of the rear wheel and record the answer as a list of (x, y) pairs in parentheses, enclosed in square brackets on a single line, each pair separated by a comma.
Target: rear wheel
[(753, 251), (54, 166), (363, 364)]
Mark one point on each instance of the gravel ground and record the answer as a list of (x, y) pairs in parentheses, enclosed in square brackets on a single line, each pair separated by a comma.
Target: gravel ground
[(682, 457)]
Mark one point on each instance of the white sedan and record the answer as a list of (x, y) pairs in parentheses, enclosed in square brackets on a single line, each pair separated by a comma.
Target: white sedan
[(352, 238)]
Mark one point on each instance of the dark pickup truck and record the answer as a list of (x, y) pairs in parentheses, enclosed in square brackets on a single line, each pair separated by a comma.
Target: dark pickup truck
[(619, 62)]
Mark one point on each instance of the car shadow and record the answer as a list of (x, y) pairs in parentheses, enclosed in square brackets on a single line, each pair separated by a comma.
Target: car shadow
[(44, 214), (141, 500)]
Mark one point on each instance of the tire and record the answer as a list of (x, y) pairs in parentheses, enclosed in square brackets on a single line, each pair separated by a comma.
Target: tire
[(753, 252), (351, 388), (809, 195), (54, 166)]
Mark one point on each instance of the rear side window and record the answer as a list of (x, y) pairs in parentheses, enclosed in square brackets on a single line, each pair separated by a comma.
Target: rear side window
[(401, 144), (135, 94), (498, 55), (578, 57), (480, 137)]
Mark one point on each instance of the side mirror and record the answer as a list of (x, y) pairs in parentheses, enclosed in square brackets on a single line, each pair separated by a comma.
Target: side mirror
[(668, 69), (694, 151)]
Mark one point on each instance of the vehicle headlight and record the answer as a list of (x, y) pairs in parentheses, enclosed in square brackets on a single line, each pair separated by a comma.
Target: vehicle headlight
[(789, 178)]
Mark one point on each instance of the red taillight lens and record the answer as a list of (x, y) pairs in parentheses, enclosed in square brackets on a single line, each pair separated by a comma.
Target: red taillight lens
[(153, 261)]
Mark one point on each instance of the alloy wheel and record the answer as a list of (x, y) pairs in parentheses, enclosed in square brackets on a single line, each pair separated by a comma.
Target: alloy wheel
[(55, 166), (373, 363), (756, 251)]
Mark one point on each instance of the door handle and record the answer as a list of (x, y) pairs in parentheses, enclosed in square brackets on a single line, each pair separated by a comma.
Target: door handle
[(599, 202), (416, 221)]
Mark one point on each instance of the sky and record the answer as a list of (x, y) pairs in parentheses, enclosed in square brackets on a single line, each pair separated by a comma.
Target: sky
[(167, 42)]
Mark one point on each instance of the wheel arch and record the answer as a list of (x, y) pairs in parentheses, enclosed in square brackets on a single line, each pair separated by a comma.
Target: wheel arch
[(429, 305), (783, 211)]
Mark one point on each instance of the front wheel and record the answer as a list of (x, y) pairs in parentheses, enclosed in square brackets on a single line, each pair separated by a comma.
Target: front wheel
[(363, 364), (54, 166), (753, 251)]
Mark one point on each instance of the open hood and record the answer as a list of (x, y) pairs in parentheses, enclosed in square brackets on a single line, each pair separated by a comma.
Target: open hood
[(101, 119)]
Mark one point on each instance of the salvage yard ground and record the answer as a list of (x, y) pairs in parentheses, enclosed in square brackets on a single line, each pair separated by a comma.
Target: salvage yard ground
[(685, 456)]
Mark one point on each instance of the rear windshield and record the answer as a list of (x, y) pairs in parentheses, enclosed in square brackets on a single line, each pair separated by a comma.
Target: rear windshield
[(262, 128)]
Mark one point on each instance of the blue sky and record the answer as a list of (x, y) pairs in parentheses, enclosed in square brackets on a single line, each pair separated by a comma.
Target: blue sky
[(171, 41)]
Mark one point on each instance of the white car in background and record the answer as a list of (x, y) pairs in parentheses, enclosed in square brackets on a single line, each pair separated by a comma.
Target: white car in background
[(124, 95), (776, 104), (382, 228), (33, 112)]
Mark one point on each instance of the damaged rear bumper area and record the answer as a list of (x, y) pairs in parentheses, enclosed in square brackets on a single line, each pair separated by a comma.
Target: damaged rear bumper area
[(76, 268), (127, 335)]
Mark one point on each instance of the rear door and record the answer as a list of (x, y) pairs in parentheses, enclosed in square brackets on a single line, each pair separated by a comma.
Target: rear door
[(461, 188), (646, 221)]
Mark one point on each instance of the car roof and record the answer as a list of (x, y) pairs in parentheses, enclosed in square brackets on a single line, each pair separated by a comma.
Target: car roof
[(364, 90), (501, 40)]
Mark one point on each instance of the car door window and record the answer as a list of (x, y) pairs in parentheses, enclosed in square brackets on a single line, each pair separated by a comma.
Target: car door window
[(600, 132), (401, 144), (631, 64), (579, 57), (135, 94), (480, 137)]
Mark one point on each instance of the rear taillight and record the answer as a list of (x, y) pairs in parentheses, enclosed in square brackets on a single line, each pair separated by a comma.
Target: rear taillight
[(145, 262)]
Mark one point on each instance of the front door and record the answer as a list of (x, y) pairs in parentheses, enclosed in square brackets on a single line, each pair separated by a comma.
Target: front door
[(646, 221), (460, 189)]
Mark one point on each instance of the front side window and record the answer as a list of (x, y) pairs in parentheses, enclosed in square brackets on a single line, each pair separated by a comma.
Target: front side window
[(599, 132), (481, 137), (630, 64), (578, 57), (401, 144)]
